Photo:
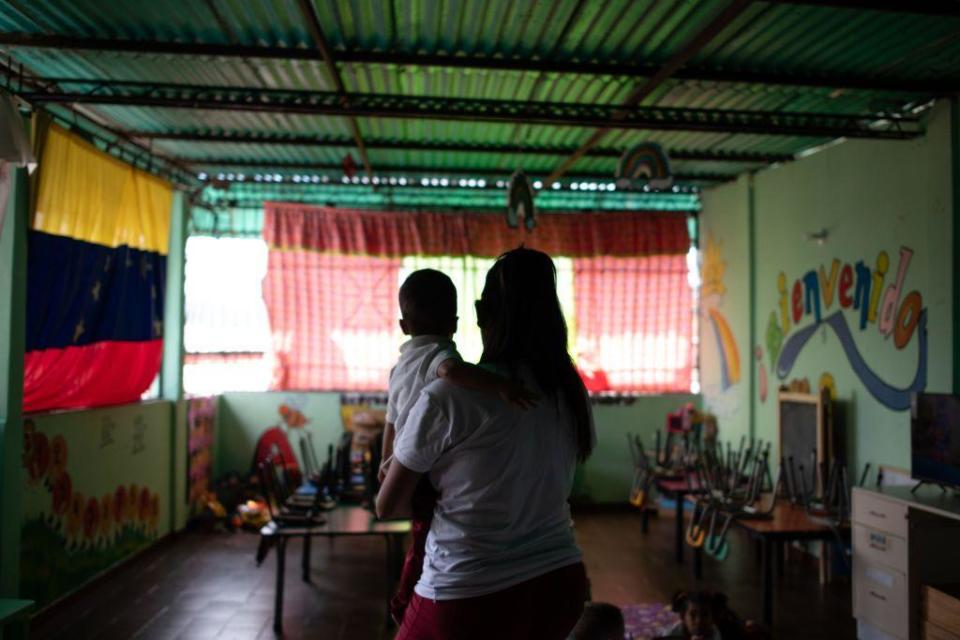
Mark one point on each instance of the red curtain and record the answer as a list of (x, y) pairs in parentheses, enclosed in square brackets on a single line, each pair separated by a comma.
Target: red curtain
[(334, 319), (634, 323), (389, 234), (333, 274)]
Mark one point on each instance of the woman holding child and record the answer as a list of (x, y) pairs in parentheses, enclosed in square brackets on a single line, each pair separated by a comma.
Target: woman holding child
[(501, 560)]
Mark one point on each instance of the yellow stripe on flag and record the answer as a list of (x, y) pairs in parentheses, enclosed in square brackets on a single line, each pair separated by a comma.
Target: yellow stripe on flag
[(89, 195)]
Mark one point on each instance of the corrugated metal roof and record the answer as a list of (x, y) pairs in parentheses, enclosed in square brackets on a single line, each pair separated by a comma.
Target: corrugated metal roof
[(778, 39)]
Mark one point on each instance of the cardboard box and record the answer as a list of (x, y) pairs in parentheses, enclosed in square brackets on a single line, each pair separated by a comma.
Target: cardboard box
[(934, 632), (941, 607)]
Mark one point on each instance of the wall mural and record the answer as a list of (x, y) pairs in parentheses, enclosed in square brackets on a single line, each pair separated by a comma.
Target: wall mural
[(79, 516), (861, 301), (712, 293), (201, 420)]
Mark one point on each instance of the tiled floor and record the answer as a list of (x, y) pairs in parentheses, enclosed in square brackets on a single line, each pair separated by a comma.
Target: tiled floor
[(207, 586)]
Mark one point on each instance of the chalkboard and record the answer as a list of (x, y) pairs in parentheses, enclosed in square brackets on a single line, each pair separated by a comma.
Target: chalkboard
[(804, 432), (798, 431)]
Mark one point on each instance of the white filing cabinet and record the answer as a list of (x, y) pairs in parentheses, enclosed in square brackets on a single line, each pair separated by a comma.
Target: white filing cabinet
[(903, 539), (880, 566)]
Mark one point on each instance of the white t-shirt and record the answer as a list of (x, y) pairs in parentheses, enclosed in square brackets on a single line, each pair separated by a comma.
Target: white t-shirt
[(420, 357), (504, 476)]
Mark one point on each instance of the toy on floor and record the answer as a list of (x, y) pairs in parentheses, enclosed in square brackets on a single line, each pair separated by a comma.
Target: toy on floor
[(253, 514), (599, 621)]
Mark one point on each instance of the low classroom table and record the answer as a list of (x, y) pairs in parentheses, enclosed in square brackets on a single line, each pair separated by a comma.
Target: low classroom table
[(677, 490), (788, 523), (341, 521)]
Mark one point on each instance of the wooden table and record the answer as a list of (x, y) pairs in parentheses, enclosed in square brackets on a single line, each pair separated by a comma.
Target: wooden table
[(341, 521), (788, 523)]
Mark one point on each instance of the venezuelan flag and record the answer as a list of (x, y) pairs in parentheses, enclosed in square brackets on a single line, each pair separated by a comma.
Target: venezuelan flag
[(96, 275)]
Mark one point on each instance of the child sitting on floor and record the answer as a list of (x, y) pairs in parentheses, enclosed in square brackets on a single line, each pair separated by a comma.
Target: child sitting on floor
[(428, 307), (600, 621), (704, 615)]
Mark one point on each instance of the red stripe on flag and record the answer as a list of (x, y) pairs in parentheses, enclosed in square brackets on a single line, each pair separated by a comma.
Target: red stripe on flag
[(88, 376)]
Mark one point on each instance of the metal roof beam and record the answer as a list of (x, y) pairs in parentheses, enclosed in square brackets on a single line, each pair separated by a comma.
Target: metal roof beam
[(676, 61), (316, 34), (922, 7), (233, 137), (488, 171), (934, 86), (117, 143), (162, 95)]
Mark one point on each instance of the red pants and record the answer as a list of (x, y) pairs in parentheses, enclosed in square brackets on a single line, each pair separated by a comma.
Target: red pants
[(424, 500), (412, 568), (546, 607)]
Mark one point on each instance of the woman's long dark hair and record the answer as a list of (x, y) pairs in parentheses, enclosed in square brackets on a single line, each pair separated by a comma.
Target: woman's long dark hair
[(522, 323)]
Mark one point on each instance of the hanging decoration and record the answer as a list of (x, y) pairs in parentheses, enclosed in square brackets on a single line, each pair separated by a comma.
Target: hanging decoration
[(645, 164), (520, 202), (349, 166)]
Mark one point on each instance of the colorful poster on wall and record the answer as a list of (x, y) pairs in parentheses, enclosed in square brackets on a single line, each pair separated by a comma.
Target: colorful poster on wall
[(201, 418), (96, 491), (862, 303)]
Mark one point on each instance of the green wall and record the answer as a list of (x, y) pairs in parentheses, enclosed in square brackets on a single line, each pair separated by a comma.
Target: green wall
[(869, 196), (606, 477), (13, 304), (608, 473), (243, 416)]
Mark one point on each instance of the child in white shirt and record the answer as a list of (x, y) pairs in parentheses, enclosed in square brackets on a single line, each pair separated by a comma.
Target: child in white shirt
[(428, 306)]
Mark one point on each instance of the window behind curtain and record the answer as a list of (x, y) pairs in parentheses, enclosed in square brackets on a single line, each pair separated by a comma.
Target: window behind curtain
[(330, 321), (226, 333), (634, 324), (469, 274)]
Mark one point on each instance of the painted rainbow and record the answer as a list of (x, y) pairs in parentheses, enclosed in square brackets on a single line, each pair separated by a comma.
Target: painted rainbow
[(727, 347)]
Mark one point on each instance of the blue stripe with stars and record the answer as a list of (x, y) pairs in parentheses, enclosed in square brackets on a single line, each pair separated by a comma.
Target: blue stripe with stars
[(80, 292)]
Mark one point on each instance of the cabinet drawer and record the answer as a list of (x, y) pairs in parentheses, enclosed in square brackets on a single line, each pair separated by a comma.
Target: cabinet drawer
[(880, 597), (866, 631), (879, 547), (880, 513)]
